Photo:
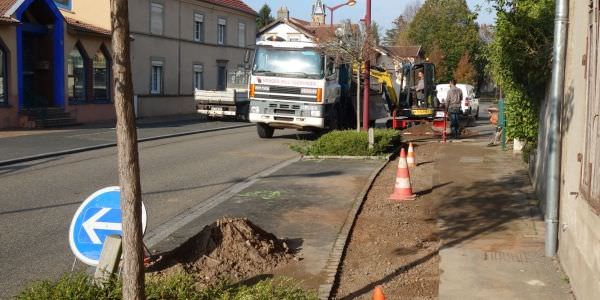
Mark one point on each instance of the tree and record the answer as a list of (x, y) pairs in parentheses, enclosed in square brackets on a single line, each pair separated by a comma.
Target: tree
[(397, 35), (376, 32), (451, 26), (352, 45), (465, 71), (264, 16), (436, 56), (520, 60), (129, 168)]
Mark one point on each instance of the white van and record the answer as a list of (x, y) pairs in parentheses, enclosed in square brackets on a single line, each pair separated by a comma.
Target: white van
[(469, 104)]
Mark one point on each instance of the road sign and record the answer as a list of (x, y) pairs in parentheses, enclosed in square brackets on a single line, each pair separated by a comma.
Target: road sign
[(96, 218)]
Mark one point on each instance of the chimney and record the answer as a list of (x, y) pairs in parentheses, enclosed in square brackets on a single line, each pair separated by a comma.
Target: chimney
[(283, 13)]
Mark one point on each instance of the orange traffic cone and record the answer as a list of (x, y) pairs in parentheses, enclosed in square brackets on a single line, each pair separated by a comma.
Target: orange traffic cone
[(411, 159), (378, 293), (402, 188)]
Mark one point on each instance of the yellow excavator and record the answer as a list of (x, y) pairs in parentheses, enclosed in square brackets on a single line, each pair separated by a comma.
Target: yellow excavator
[(406, 103)]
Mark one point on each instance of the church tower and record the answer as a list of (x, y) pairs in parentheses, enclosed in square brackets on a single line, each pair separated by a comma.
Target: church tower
[(318, 13)]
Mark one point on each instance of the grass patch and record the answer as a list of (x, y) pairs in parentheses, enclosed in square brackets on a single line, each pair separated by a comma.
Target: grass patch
[(182, 286), (350, 143)]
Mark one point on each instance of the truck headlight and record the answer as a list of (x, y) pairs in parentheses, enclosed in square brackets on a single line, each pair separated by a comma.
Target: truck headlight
[(315, 113), (254, 109)]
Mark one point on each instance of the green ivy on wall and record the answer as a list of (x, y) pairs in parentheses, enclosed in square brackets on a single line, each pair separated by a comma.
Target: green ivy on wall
[(520, 60)]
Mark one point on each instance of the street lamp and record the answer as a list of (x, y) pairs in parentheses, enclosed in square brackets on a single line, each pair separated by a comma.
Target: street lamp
[(332, 9)]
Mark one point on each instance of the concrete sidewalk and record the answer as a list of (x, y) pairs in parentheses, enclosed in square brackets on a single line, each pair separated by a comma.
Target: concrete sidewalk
[(17, 144), (491, 229), (312, 203)]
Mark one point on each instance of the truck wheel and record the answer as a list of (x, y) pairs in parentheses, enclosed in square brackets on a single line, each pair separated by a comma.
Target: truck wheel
[(264, 131)]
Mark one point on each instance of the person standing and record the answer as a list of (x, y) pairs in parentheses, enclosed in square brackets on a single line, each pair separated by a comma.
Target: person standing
[(420, 89), (453, 100)]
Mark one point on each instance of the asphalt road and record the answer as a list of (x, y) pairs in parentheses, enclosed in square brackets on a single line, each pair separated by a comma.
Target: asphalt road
[(38, 199), (56, 140)]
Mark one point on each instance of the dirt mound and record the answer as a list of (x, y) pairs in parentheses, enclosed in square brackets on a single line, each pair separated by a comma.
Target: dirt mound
[(231, 249)]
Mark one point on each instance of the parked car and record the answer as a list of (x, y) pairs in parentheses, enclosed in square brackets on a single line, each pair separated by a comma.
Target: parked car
[(469, 104)]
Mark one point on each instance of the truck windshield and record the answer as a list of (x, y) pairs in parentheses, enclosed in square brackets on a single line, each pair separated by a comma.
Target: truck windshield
[(297, 63)]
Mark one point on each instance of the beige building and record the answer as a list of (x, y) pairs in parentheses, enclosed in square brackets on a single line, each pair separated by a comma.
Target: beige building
[(182, 45), (54, 62), (579, 210)]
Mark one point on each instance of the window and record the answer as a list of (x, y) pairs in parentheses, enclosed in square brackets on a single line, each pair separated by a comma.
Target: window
[(294, 37), (198, 27), (156, 77), (76, 75), (198, 77), (222, 31), (156, 18), (221, 75), (590, 164), (241, 34), (66, 4), (3, 78), (101, 75)]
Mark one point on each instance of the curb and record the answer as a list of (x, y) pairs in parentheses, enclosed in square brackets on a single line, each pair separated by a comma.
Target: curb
[(346, 157), (339, 247), (109, 145), (387, 157)]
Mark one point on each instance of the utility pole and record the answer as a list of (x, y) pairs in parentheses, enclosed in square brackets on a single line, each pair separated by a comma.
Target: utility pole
[(367, 73), (129, 168)]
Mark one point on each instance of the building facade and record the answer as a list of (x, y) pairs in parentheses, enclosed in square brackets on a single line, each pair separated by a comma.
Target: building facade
[(579, 212), (55, 62), (182, 45)]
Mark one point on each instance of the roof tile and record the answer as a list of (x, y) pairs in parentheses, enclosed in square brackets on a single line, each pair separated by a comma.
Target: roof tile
[(235, 4)]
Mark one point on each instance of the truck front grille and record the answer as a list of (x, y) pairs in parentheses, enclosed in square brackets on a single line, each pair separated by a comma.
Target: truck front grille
[(284, 119), (284, 97), (285, 111)]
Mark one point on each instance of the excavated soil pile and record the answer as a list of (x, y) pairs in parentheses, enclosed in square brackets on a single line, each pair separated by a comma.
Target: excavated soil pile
[(421, 129), (229, 249)]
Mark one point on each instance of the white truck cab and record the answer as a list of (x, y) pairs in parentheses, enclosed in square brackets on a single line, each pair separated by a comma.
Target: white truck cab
[(292, 85)]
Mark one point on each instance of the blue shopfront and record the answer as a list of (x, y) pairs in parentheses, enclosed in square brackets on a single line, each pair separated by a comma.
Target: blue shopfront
[(40, 55), (54, 66)]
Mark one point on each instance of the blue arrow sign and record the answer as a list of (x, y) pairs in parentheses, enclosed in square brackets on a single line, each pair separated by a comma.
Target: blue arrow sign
[(98, 217)]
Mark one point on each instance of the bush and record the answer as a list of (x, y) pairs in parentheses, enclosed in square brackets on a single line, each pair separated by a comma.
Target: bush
[(350, 143), (80, 286)]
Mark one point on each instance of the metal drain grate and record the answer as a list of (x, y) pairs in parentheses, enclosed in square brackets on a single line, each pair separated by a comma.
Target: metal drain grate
[(471, 159), (505, 257)]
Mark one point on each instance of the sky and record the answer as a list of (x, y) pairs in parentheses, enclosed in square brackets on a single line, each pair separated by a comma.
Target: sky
[(383, 11)]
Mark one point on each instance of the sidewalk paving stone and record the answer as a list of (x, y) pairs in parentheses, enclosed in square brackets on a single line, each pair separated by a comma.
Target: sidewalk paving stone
[(492, 231)]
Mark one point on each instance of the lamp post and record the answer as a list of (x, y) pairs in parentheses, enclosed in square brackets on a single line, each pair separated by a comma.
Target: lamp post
[(332, 9), (367, 74)]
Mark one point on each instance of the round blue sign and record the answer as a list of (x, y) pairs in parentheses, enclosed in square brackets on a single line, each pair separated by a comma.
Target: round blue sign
[(98, 217)]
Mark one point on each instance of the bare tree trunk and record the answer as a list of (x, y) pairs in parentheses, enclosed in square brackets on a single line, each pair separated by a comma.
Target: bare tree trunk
[(129, 169), (358, 101)]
